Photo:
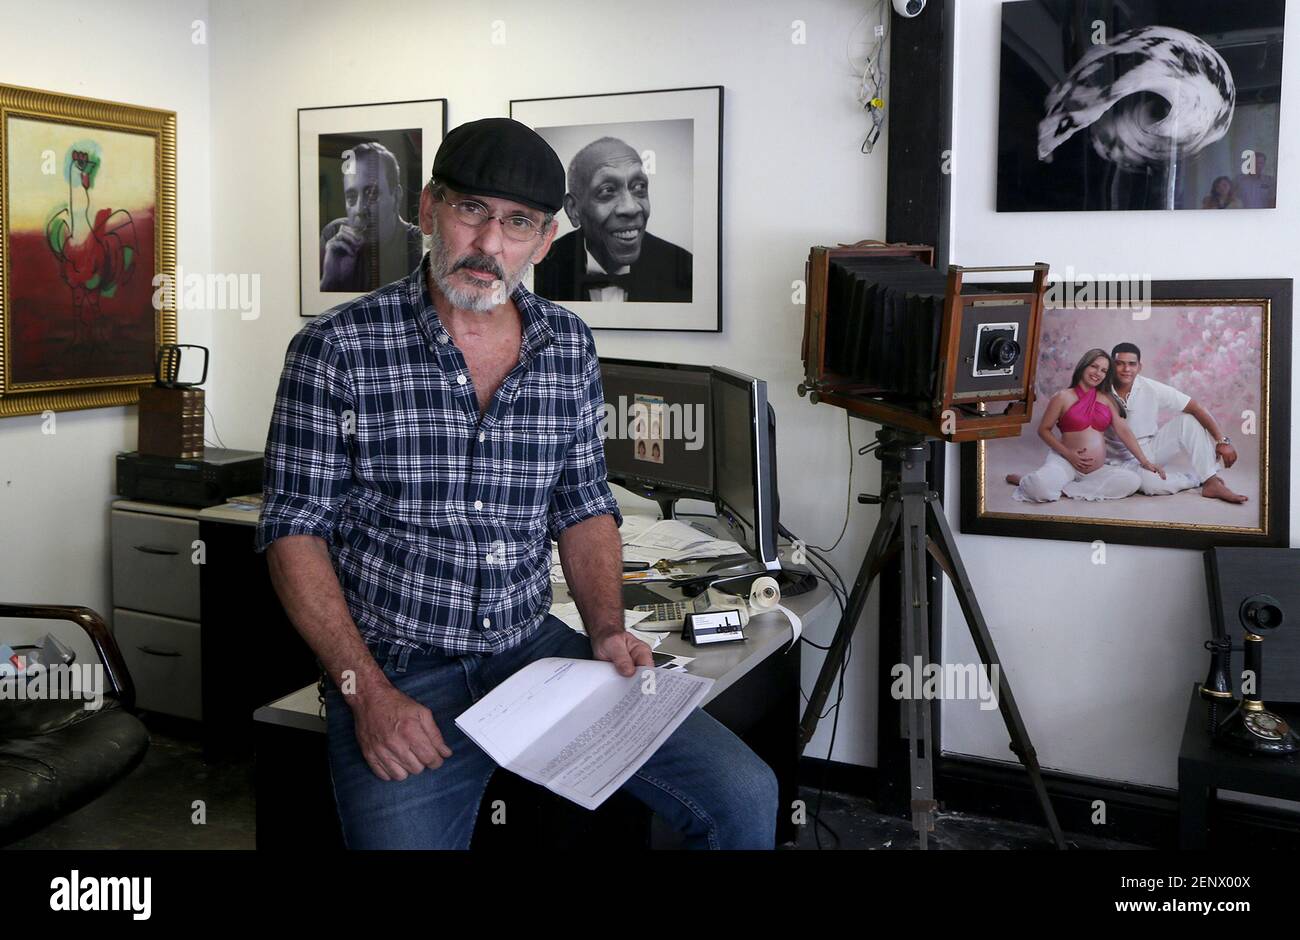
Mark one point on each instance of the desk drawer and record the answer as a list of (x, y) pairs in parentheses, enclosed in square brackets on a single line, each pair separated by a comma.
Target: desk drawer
[(164, 660), (152, 570)]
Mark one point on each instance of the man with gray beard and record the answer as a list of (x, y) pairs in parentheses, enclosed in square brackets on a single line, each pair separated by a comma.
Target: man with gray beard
[(428, 441)]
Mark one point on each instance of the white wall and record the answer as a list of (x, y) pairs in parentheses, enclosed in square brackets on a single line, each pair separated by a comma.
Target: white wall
[(1101, 659), (793, 177), (55, 488)]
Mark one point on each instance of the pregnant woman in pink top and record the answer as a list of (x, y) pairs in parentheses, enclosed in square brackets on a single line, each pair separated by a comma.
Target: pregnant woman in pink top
[(1076, 466)]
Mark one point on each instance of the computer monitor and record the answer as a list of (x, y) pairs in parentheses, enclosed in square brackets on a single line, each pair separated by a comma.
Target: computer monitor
[(744, 464), (658, 429)]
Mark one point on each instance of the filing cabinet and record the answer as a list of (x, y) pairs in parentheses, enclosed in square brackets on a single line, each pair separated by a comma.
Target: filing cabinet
[(156, 618)]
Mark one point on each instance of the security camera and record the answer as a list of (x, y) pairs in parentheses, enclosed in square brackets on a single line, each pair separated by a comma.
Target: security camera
[(908, 8)]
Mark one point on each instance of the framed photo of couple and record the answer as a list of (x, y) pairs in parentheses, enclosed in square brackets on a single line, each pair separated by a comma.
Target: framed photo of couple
[(1169, 424)]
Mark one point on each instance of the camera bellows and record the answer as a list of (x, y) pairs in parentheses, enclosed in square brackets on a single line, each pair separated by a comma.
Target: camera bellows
[(884, 321), (891, 339)]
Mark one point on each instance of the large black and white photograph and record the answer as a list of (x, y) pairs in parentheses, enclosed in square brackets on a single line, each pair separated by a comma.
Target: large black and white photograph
[(361, 169), (638, 240), (370, 192), (1150, 104)]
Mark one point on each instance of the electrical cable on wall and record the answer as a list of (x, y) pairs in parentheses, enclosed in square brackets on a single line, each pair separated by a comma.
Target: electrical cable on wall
[(873, 70), (214, 429), (848, 497)]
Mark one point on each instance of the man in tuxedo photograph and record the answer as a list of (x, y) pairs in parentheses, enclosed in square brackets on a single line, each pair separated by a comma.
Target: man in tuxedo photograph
[(609, 256)]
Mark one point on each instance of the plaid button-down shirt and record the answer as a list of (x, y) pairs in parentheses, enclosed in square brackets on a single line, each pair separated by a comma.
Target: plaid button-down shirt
[(438, 522)]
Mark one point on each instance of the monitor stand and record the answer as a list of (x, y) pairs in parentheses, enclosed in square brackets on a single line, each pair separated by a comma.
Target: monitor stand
[(791, 581), (731, 567), (666, 497)]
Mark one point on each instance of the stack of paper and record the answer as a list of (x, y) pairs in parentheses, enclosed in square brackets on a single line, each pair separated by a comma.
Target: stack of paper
[(674, 540), (647, 541)]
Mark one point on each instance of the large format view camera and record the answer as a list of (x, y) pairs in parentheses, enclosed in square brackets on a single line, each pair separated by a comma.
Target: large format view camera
[(889, 338), (892, 340)]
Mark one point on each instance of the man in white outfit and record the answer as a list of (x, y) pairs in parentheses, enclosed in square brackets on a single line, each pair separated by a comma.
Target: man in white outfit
[(1194, 432)]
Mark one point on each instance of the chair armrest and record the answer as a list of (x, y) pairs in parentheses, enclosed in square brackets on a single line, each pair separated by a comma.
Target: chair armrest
[(93, 624)]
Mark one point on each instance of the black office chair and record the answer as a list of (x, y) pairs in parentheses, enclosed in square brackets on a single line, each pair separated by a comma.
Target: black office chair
[(56, 755)]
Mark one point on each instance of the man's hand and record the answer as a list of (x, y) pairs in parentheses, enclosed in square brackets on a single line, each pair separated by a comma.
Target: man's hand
[(1083, 462), (341, 254), (622, 649), (397, 735), (1227, 453), (1154, 468)]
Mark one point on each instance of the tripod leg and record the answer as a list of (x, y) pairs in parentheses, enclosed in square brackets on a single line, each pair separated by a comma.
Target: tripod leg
[(914, 618), (1020, 742), (884, 535)]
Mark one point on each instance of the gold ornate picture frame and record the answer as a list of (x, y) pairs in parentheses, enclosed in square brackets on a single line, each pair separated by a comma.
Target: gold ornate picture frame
[(1224, 343), (87, 234)]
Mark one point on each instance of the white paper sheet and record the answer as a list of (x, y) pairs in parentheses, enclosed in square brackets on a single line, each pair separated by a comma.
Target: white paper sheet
[(568, 612), (577, 727)]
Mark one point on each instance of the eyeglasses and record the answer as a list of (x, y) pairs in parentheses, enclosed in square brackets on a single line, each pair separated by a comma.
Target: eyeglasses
[(517, 227)]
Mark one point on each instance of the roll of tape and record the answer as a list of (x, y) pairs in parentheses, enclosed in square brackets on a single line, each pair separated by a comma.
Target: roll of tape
[(764, 594)]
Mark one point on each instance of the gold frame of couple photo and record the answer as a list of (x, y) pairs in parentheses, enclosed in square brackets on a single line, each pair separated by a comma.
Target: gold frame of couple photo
[(1269, 514)]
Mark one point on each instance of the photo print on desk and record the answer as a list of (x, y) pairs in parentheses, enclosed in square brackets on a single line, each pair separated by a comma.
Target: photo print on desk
[(361, 169), (1224, 346), (647, 428), (1160, 104), (639, 239)]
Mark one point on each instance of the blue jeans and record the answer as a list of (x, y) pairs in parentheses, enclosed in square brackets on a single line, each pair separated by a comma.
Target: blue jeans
[(703, 781)]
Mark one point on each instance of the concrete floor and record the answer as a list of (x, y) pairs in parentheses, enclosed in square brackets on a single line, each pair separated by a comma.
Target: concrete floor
[(859, 826), (153, 808)]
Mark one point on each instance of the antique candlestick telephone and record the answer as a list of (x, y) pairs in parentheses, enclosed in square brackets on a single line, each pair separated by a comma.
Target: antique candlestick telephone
[(1250, 727)]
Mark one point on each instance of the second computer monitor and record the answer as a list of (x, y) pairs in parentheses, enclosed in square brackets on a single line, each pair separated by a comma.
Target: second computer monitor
[(658, 434), (675, 431), (743, 463)]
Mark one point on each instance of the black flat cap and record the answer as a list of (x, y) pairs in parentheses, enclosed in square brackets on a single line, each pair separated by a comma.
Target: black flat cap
[(504, 159)]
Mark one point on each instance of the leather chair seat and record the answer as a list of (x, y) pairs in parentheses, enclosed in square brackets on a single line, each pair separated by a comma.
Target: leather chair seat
[(56, 756)]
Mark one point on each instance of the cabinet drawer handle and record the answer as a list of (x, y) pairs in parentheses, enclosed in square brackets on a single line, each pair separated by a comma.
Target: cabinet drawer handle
[(153, 652), (155, 551)]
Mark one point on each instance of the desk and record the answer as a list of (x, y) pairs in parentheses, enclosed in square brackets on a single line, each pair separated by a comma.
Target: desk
[(1204, 767), (251, 652), (755, 694)]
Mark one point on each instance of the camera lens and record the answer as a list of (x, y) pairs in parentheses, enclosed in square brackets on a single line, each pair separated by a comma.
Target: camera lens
[(1004, 352)]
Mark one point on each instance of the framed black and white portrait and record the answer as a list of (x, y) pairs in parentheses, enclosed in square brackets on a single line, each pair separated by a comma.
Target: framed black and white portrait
[(360, 172), (1150, 104), (639, 244)]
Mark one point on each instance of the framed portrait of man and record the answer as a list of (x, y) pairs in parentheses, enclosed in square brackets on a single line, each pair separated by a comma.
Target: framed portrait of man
[(87, 236), (1166, 423), (360, 172), (639, 244)]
